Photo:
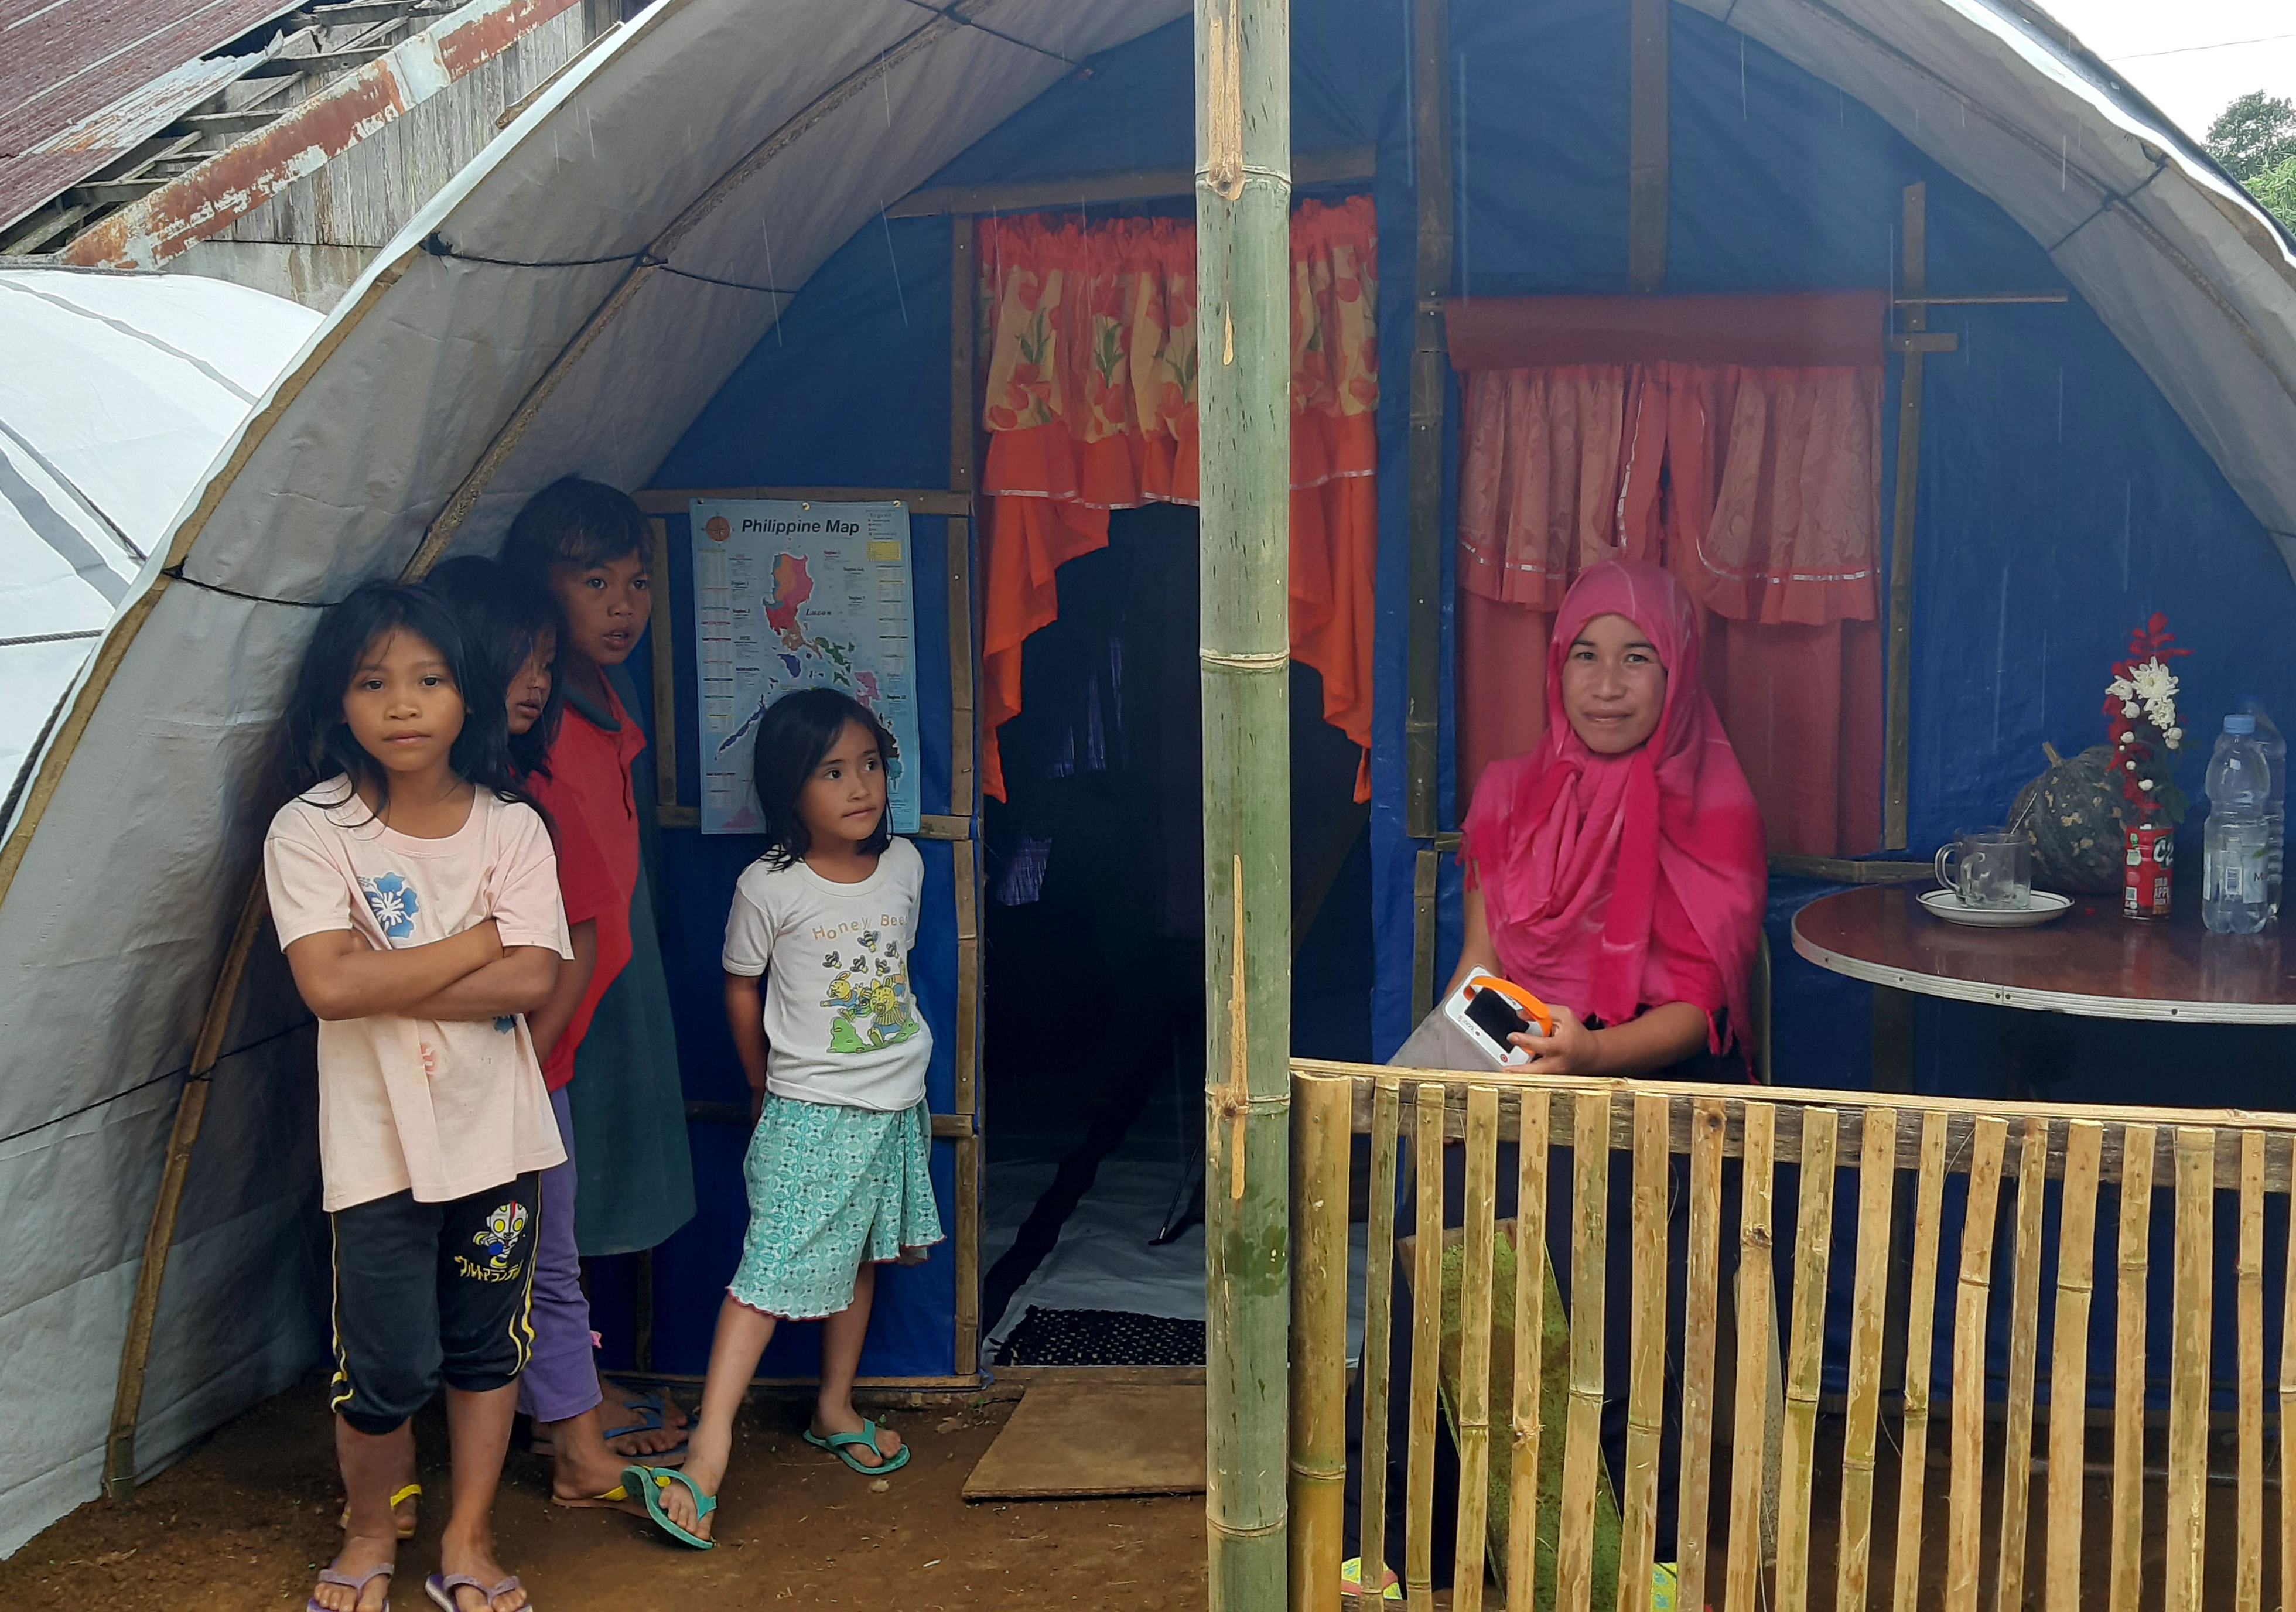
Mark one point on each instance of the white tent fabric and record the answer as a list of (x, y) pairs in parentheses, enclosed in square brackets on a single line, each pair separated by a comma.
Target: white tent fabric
[(116, 391), (568, 303)]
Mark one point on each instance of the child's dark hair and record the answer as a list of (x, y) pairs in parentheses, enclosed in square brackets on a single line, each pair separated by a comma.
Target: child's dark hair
[(503, 615), (317, 743), (574, 522), (794, 734)]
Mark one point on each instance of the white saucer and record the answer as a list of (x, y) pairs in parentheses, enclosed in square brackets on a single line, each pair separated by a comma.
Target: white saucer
[(1946, 905)]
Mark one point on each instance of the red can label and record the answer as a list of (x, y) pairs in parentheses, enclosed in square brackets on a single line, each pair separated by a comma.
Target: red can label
[(2144, 881)]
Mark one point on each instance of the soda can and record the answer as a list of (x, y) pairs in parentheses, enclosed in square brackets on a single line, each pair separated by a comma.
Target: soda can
[(2151, 862)]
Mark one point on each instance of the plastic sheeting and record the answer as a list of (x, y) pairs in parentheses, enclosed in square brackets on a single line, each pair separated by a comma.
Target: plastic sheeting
[(574, 299), (116, 391)]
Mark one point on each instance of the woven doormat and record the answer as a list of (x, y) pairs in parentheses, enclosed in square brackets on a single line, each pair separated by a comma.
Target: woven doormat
[(1100, 1337)]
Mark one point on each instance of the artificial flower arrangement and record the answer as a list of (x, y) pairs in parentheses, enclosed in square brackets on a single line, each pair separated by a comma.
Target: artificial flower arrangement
[(2140, 708)]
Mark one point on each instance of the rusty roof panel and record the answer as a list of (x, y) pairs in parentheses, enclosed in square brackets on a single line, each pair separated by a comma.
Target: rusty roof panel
[(104, 136), (69, 60)]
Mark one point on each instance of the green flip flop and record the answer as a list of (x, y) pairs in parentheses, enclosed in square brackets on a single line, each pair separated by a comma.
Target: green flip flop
[(841, 1445), (647, 1483)]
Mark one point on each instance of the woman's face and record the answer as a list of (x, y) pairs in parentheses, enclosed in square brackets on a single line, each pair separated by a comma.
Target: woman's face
[(1613, 688)]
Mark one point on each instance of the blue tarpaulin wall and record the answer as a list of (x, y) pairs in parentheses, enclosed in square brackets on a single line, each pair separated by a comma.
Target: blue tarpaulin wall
[(2062, 501)]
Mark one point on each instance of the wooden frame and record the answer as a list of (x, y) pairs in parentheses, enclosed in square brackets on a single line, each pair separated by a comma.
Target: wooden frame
[(2004, 1156)]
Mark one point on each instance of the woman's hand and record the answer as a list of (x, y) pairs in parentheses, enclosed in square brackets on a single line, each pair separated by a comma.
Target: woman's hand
[(1571, 1049)]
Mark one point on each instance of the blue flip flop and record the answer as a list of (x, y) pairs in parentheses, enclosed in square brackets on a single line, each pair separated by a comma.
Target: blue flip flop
[(841, 1445), (647, 1483)]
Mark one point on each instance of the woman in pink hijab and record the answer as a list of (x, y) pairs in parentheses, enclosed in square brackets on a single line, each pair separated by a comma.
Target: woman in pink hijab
[(1617, 870)]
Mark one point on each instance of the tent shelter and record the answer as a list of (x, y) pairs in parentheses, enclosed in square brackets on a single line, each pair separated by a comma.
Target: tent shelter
[(682, 267)]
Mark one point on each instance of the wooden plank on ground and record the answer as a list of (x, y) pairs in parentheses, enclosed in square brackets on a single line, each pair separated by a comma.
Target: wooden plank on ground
[(1074, 1440)]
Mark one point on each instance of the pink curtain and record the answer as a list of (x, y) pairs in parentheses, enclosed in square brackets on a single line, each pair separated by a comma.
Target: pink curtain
[(1758, 483)]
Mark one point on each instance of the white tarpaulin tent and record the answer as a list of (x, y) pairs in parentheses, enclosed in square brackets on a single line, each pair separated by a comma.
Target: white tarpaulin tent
[(568, 303)]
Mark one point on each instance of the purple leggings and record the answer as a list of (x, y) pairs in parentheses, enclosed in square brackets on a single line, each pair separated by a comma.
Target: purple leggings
[(561, 1379)]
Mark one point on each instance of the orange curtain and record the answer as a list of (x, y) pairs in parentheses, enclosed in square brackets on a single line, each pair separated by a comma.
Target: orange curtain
[(1759, 485), (1090, 405)]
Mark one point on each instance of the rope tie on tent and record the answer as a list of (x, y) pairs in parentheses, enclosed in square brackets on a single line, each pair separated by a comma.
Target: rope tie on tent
[(156, 1079), (953, 15), (646, 258), (2112, 199), (174, 574)]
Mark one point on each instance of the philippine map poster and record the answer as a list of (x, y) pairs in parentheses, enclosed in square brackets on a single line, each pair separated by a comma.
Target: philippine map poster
[(790, 594)]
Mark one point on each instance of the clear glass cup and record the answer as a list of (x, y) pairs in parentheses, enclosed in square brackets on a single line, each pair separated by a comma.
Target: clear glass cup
[(1989, 868)]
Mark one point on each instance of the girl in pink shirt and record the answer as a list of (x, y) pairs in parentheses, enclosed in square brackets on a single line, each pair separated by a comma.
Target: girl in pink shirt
[(416, 895)]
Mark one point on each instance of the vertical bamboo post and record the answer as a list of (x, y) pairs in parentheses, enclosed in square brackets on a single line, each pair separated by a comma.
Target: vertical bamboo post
[(1479, 1221), (1920, 1326), (2188, 1367), (1321, 1139), (1896, 745), (1965, 1504), (2024, 1331), (1379, 1321), (1426, 1344), (2248, 1557), (1877, 1176), (1646, 1356), (1701, 1306), (1805, 1356), (1244, 367), (2137, 1144), (1582, 1439), (1430, 157), (1529, 1353), (2068, 1362), (1756, 1335), (963, 800), (2287, 1407)]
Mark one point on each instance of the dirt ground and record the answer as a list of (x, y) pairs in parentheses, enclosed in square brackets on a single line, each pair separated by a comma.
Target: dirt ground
[(246, 1519)]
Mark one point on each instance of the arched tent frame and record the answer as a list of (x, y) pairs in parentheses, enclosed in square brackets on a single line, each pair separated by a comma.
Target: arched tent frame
[(555, 308)]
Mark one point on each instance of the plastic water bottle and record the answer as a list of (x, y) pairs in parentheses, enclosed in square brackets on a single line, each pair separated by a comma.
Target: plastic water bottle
[(2232, 877), (2275, 803)]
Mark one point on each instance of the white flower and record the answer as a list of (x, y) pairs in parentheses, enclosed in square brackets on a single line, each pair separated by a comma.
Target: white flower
[(2130, 766), (2121, 689), (2156, 686), (2128, 708), (2144, 783), (2175, 737)]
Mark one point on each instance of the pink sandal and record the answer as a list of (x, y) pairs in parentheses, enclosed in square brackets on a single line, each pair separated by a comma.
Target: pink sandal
[(441, 1587)]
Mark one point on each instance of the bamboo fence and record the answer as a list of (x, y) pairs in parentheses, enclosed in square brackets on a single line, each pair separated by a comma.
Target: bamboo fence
[(1975, 1232)]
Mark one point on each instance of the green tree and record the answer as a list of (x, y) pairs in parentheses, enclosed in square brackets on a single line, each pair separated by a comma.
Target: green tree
[(2254, 139)]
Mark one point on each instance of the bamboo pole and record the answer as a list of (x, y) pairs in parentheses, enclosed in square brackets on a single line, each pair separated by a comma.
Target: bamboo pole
[(1379, 1319), (1529, 1353), (2136, 1149), (1756, 1335), (1963, 1503), (1479, 1221), (1921, 1325), (1701, 1304), (1582, 1440), (1243, 196), (1426, 1344), (2068, 1363), (2247, 1556), (1805, 1356), (2024, 1332), (1320, 1143), (1877, 1175), (2188, 1368), (2287, 1407), (1646, 1356)]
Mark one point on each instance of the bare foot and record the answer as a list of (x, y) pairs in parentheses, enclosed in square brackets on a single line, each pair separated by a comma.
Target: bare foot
[(844, 1418), (359, 1556), (583, 1469)]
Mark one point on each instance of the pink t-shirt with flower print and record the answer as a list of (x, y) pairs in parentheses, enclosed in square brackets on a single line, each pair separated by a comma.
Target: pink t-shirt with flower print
[(445, 1109)]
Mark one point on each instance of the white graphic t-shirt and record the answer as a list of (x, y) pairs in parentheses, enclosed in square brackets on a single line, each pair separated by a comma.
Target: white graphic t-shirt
[(841, 1021), (446, 1109)]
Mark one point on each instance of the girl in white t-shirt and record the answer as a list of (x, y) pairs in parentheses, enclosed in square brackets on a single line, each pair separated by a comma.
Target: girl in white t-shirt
[(835, 1051), (416, 895)]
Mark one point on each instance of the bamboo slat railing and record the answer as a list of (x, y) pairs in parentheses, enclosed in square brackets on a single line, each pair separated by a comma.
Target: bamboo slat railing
[(1988, 1216)]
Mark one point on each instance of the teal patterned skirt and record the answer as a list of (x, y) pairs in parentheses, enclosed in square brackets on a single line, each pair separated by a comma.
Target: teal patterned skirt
[(831, 1188)]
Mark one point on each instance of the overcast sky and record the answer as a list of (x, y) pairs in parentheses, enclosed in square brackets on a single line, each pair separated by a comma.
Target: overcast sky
[(2190, 57)]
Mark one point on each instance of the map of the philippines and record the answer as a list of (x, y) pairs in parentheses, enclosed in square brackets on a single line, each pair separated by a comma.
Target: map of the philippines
[(798, 596)]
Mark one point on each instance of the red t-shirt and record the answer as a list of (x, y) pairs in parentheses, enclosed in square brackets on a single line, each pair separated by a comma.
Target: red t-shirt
[(589, 797)]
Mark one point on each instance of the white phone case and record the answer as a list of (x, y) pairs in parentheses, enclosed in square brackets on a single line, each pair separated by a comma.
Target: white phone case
[(1507, 1055)]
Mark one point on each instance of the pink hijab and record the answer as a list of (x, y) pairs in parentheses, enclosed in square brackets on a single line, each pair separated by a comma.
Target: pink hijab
[(1614, 883)]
